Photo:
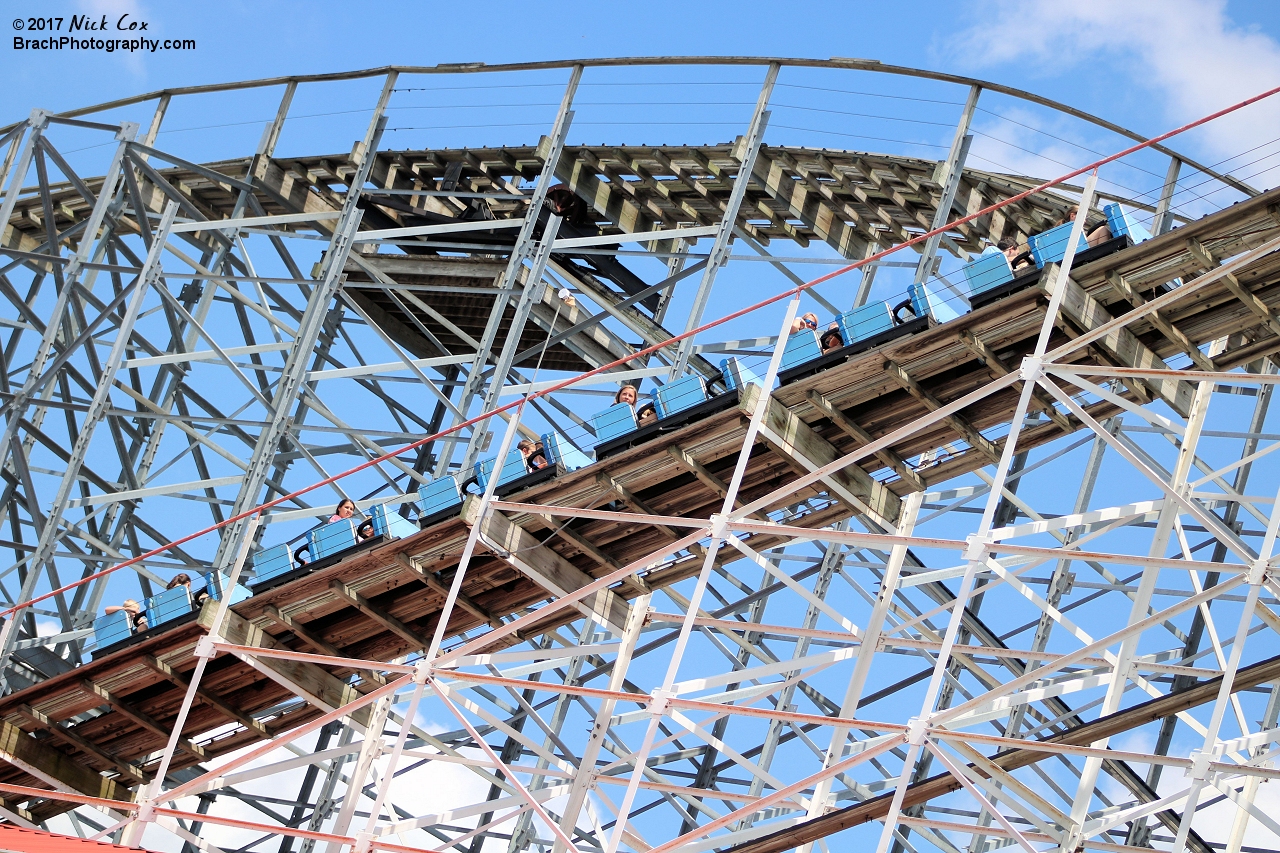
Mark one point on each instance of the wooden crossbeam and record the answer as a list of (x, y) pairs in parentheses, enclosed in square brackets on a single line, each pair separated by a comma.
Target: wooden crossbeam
[(635, 502), (207, 697), (483, 168), (805, 450), (894, 227), (1120, 344), (377, 614), (887, 189), (967, 431), (895, 462), (637, 583), (631, 187), (1162, 323), (306, 680), (436, 585), (1250, 300), (685, 460), (811, 202), (606, 201), (54, 767), (727, 180), (708, 195), (1040, 400), (658, 188), (72, 738), (140, 717), (314, 641), (10, 806), (521, 550), (776, 221)]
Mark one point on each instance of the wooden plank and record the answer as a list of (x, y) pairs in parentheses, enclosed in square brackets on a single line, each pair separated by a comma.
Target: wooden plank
[(581, 178), (1039, 399), (207, 697), (522, 551), (307, 680), (1121, 344), (796, 442), (140, 717), (967, 431), (631, 498), (71, 737), (1250, 300), (55, 768), (377, 614), (685, 459), (1157, 319), (320, 645), (436, 585), (895, 462)]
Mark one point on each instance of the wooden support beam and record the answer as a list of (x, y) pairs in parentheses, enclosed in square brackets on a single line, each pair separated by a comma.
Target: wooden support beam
[(140, 717), (660, 189), (310, 682), (726, 180), (54, 767), (436, 585), (581, 178), (1251, 301), (807, 451), (524, 553), (915, 214), (836, 212), (208, 698), (10, 805), (809, 201), (685, 460), (377, 614), (967, 431), (71, 738), (1120, 344), (630, 187), (320, 645), (876, 208), (1040, 400), (895, 462), (707, 193), (634, 581), (1162, 323), (636, 502)]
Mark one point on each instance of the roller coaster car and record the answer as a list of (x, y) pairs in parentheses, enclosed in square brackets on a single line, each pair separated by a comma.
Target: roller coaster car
[(677, 404), (864, 328), (991, 280), (514, 475), (327, 544), (165, 610), (989, 283), (438, 500)]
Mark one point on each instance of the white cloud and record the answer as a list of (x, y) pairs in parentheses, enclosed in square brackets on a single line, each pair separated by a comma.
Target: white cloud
[(1188, 54)]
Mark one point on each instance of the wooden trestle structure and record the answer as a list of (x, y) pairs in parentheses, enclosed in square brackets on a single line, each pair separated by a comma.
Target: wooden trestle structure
[(87, 729), (455, 278)]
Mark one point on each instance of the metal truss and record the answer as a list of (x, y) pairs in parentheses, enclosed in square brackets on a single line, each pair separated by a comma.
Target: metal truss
[(1055, 629)]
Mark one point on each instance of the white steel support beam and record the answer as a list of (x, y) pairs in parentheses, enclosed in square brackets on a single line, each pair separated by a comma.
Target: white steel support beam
[(949, 176), (525, 248), (728, 219)]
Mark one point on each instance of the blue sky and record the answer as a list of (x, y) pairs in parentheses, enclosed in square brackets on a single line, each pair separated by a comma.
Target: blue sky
[(1111, 68)]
